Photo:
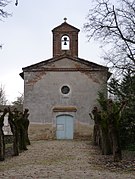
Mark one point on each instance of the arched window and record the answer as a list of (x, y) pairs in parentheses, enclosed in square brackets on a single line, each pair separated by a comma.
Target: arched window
[(65, 42)]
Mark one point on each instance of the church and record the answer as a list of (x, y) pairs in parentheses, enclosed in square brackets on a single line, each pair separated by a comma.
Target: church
[(62, 91)]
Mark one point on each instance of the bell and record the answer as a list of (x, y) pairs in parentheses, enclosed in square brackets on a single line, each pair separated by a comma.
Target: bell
[(65, 43), (65, 40)]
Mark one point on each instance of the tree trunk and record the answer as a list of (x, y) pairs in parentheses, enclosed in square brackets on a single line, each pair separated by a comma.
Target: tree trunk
[(96, 135), (105, 142), (114, 135), (2, 142), (22, 139), (15, 143), (26, 126), (2, 145), (15, 135)]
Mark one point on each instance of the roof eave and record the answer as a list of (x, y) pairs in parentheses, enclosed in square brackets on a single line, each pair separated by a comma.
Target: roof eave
[(22, 75)]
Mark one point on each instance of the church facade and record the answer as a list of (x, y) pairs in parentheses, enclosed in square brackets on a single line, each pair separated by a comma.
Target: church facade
[(61, 91)]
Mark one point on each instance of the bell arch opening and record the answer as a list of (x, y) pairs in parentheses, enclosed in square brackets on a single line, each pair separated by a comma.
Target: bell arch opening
[(65, 42)]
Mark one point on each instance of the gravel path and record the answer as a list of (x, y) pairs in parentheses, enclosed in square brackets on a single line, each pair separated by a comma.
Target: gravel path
[(60, 160)]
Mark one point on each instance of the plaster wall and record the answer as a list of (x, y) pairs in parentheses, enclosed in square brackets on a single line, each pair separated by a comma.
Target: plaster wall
[(43, 93)]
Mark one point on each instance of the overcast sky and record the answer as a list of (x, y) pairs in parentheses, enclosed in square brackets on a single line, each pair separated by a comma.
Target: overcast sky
[(27, 37)]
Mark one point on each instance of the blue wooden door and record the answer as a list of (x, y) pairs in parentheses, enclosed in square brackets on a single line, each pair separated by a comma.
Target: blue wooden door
[(64, 127)]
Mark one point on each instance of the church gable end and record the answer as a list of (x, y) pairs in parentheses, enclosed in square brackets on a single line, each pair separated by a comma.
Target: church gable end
[(62, 90), (65, 63)]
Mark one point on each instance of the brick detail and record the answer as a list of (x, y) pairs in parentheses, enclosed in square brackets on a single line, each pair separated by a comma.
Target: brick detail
[(72, 33)]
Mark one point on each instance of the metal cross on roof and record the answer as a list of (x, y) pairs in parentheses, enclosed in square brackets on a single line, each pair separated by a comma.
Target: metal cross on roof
[(65, 19)]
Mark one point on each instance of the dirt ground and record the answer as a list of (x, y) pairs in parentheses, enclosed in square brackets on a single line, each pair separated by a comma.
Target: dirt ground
[(65, 159)]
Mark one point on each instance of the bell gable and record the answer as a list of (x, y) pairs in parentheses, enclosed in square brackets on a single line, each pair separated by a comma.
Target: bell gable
[(65, 39)]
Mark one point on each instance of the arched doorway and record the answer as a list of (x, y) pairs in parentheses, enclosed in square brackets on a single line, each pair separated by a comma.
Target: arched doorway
[(64, 127)]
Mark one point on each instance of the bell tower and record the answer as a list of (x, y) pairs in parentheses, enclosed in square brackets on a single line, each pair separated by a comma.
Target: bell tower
[(65, 40)]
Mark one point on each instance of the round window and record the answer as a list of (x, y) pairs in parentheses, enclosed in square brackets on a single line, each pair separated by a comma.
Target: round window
[(65, 89)]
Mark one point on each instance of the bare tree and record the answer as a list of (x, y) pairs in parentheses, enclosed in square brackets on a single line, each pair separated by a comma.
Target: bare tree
[(3, 4), (114, 27), (3, 100), (3, 13)]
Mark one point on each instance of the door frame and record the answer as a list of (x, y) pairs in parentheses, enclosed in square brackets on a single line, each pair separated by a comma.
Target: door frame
[(64, 110), (63, 125)]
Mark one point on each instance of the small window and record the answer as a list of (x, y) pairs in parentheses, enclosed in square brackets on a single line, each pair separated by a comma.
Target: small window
[(65, 42), (65, 89)]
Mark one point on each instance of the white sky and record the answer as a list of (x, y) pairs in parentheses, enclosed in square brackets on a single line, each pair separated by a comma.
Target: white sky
[(27, 37)]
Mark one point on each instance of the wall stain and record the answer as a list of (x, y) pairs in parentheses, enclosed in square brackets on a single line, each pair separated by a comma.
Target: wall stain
[(36, 77)]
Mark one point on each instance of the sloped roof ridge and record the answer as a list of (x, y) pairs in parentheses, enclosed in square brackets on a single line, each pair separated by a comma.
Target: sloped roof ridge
[(91, 63), (46, 61), (37, 64), (65, 23), (77, 59)]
